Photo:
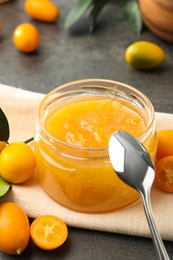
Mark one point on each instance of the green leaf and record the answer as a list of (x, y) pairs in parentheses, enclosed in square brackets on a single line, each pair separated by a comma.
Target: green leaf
[(97, 7), (76, 12), (4, 127), (4, 186), (132, 16)]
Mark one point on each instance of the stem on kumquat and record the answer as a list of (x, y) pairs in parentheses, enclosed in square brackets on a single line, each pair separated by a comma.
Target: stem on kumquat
[(29, 140)]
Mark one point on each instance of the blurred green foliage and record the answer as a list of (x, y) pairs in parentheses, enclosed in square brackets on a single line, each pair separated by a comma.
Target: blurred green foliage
[(130, 12)]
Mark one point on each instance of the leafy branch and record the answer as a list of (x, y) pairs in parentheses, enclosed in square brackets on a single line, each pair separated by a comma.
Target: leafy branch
[(131, 13)]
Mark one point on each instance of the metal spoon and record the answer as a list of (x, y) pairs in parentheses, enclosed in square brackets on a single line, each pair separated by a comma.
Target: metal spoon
[(133, 165)]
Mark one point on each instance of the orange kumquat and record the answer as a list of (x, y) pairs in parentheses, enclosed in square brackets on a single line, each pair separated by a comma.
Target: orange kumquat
[(48, 232), (165, 143), (26, 37), (164, 173)]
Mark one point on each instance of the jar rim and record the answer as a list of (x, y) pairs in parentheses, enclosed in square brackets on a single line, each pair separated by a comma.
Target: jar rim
[(95, 82)]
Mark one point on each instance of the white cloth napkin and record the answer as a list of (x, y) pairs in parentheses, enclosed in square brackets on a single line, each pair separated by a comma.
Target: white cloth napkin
[(20, 107)]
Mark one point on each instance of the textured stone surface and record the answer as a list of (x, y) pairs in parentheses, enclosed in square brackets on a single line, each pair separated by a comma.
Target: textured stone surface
[(65, 56)]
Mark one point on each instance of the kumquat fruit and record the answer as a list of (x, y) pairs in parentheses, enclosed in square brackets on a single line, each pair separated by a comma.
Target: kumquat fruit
[(164, 174), (165, 143), (14, 228), (48, 232)]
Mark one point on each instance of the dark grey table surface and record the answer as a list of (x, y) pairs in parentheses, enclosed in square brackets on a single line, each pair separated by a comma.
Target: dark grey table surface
[(65, 56)]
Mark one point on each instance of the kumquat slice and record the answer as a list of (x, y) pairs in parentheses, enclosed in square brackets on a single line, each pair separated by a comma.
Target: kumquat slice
[(48, 232), (164, 174)]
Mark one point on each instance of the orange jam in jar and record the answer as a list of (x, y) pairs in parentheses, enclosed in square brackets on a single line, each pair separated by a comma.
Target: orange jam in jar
[(74, 124)]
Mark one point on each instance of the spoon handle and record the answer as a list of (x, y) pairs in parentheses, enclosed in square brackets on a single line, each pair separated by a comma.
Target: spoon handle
[(158, 243)]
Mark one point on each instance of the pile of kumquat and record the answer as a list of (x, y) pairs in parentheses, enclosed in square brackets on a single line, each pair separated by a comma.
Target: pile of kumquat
[(17, 165), (48, 232), (26, 36), (164, 160)]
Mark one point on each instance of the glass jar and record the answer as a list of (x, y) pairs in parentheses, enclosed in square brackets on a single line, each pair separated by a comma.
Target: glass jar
[(82, 178)]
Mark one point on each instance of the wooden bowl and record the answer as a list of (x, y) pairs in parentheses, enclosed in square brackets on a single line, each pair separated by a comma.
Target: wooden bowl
[(157, 15)]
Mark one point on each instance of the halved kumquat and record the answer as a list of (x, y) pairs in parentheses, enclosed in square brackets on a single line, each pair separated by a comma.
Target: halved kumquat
[(48, 232), (164, 173)]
